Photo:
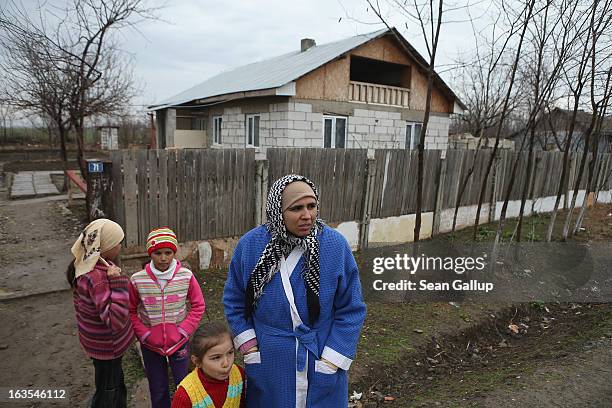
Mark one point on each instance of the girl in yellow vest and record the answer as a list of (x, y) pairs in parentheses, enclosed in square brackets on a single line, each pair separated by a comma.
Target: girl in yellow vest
[(216, 382)]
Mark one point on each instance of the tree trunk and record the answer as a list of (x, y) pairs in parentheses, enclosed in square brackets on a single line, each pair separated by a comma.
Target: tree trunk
[(466, 180), (485, 179), (526, 185), (430, 73), (564, 171), (583, 159)]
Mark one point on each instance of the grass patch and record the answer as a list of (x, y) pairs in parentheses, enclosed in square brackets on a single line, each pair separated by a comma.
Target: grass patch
[(534, 229)]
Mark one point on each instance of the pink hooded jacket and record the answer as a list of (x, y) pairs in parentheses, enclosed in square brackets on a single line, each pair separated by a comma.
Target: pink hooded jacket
[(161, 319)]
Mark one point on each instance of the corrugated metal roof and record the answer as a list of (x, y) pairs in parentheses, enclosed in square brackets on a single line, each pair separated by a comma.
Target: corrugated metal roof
[(271, 73)]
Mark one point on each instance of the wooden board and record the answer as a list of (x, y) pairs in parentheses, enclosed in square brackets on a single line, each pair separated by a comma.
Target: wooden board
[(117, 189), (130, 197)]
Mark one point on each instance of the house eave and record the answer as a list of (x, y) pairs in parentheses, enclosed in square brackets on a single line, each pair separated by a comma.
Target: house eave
[(285, 90)]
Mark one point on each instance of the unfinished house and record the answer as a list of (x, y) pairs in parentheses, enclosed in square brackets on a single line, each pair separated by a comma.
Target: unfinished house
[(367, 91)]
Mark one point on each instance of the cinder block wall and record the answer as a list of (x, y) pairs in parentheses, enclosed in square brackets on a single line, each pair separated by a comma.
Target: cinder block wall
[(294, 124)]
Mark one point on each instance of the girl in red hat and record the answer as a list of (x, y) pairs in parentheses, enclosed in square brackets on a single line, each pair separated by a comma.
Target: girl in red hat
[(163, 323)]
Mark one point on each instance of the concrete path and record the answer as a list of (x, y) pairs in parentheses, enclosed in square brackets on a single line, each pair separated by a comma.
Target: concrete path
[(29, 184)]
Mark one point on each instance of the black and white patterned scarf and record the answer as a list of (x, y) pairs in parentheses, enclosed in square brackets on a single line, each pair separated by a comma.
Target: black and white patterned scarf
[(281, 245)]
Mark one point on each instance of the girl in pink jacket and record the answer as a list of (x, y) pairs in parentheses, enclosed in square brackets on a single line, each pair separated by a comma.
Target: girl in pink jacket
[(158, 309)]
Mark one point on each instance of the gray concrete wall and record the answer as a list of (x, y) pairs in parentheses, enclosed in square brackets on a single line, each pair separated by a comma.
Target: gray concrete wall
[(290, 122), (166, 125)]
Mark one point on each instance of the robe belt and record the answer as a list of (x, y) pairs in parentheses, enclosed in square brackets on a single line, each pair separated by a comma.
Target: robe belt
[(306, 337)]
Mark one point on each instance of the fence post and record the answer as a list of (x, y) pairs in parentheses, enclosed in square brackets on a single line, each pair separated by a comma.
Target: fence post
[(440, 180), (368, 198), (261, 189), (99, 189)]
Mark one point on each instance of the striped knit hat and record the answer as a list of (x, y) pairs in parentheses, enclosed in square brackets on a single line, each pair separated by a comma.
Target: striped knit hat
[(161, 238)]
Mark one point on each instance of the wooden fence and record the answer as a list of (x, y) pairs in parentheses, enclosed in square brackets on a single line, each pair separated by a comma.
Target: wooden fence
[(200, 193), (214, 193), (395, 185), (339, 175)]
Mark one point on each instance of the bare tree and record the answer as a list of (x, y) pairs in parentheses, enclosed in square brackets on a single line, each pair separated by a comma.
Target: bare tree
[(526, 16), (601, 23), (576, 76), (599, 107), (429, 17), (69, 70), (6, 116), (551, 35), (483, 79)]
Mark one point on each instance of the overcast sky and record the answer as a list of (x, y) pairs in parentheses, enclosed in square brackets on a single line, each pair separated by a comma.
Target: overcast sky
[(198, 39)]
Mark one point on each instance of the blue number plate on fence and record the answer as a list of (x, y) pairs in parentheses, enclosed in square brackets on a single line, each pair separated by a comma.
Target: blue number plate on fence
[(95, 167)]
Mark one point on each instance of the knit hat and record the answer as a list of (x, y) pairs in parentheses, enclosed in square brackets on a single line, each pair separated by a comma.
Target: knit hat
[(161, 238), (294, 192)]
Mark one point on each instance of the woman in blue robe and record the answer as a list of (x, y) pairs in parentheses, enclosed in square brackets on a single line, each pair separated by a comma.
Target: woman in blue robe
[(293, 300)]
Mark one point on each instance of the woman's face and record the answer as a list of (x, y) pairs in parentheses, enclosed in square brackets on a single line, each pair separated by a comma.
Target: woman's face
[(300, 217)]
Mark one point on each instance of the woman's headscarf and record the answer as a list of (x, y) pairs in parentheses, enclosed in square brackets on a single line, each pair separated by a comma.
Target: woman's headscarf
[(281, 245), (98, 236)]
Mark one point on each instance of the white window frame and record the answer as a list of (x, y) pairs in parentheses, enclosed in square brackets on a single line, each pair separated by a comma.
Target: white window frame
[(217, 132), (410, 139), (333, 135), (246, 130)]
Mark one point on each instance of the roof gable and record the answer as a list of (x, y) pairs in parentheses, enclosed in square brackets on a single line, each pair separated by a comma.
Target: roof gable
[(284, 69), (270, 73)]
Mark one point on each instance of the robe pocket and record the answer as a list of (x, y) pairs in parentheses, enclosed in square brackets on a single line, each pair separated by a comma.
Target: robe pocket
[(322, 384), (324, 368), (252, 358)]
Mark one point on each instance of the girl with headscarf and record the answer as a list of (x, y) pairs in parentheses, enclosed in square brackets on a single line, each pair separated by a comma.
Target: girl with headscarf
[(100, 294), (293, 300)]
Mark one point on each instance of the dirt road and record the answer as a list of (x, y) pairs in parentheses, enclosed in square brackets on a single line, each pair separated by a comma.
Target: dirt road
[(39, 348), (35, 241)]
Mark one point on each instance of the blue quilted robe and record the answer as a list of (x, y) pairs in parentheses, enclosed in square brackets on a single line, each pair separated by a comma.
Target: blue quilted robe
[(271, 383)]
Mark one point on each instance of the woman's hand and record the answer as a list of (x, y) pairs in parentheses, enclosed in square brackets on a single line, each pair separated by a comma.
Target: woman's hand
[(330, 364), (113, 271), (253, 349)]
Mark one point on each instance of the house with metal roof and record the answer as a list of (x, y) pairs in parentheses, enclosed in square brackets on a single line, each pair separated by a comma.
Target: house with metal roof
[(366, 91)]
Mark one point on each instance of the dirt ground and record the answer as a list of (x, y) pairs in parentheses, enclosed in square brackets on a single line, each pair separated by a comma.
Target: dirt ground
[(38, 342), (415, 354), (35, 240), (562, 357)]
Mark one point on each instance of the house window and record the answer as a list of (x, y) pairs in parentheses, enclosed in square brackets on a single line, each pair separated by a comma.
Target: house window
[(217, 120), (190, 123), (198, 124), (252, 131), (413, 135), (334, 131)]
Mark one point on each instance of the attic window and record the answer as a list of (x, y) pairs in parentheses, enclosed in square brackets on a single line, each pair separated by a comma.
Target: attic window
[(379, 72)]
